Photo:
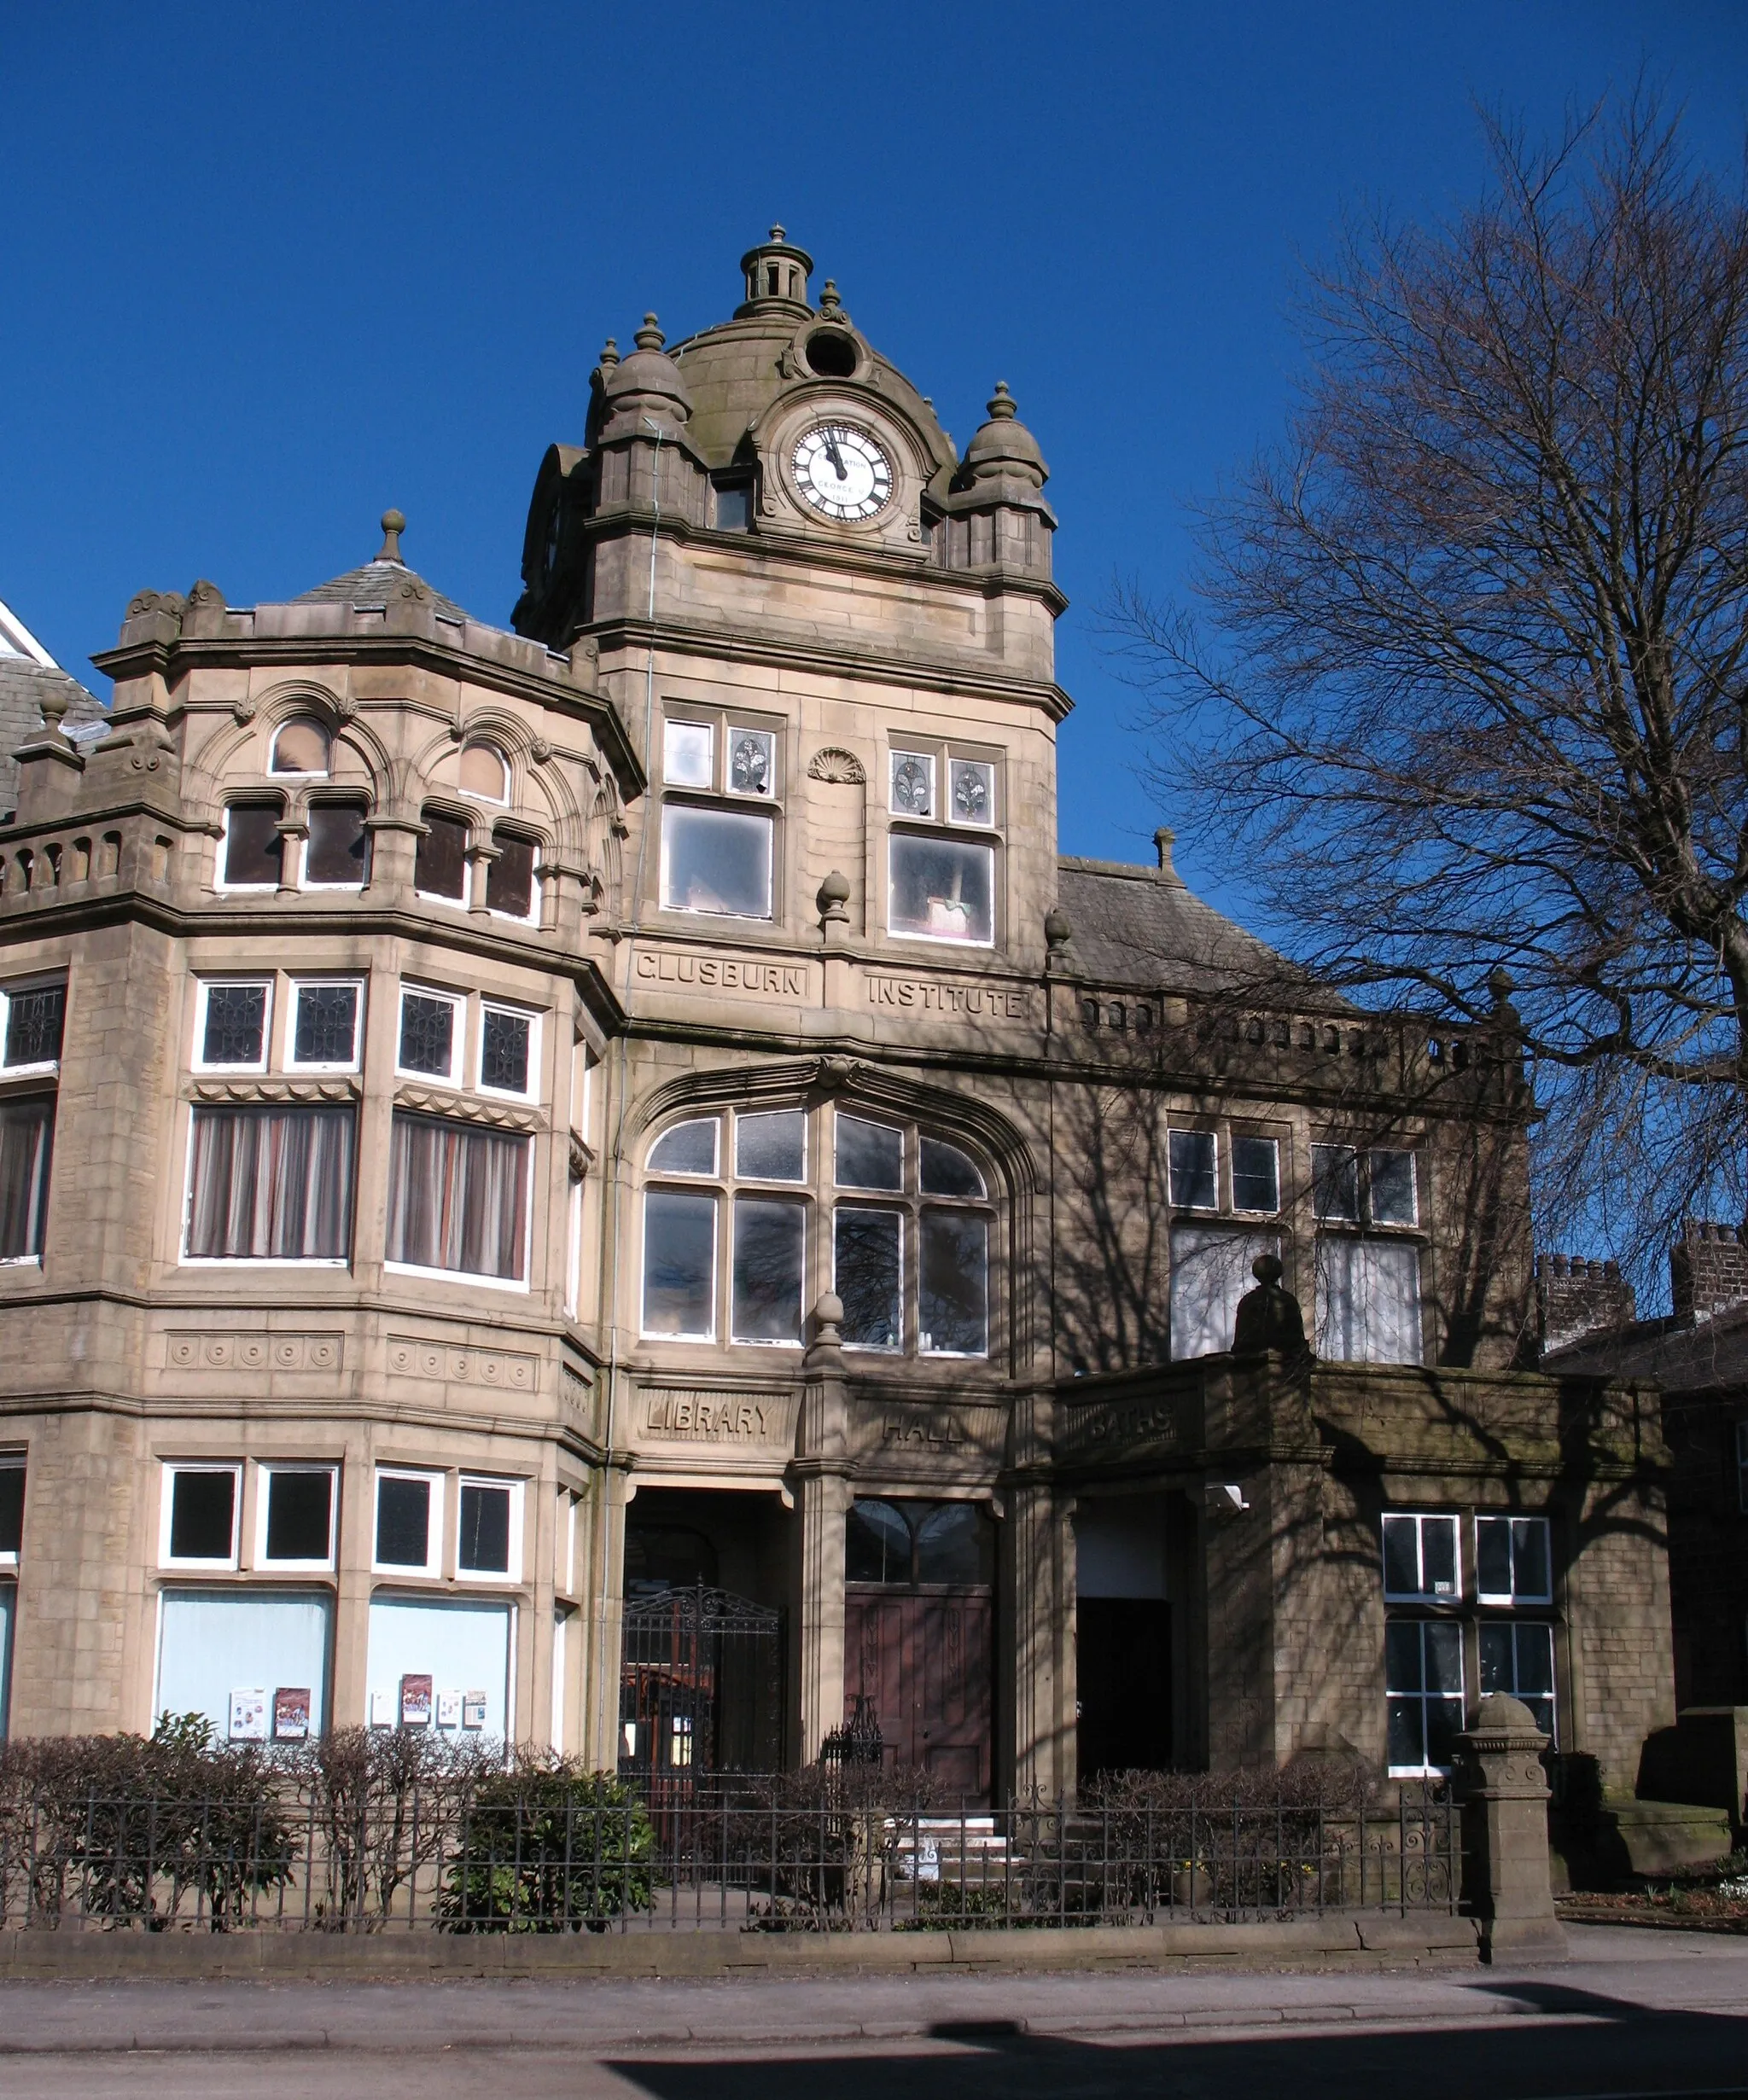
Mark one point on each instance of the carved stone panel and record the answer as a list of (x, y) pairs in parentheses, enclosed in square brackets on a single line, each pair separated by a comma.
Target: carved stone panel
[(728, 1419), (444, 1363), (953, 1435), (199, 1351)]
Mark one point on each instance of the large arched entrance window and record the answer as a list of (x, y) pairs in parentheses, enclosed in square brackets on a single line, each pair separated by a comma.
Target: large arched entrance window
[(749, 1213)]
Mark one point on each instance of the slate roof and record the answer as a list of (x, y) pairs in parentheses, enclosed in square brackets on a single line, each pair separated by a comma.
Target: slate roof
[(375, 583), (1143, 925), (27, 674), (1684, 1355)]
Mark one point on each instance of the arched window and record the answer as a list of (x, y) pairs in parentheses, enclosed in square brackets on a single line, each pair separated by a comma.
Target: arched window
[(302, 746), (749, 1214), (918, 1545), (484, 773), (440, 860)]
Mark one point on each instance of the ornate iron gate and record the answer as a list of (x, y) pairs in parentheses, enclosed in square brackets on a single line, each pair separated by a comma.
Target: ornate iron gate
[(701, 1685)]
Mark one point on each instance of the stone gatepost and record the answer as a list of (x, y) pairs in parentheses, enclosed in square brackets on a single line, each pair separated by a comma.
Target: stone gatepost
[(821, 1475), (1503, 1790)]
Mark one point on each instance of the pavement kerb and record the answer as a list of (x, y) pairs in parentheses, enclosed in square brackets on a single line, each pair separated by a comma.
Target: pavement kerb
[(1338, 1941)]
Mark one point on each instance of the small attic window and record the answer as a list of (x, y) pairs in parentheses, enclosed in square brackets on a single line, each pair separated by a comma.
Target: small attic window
[(302, 745), (831, 353), (484, 773)]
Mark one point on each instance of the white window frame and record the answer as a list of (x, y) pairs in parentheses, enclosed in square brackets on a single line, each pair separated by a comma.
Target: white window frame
[(487, 744), (533, 1018), (892, 1206), (1516, 1628), (690, 722), (47, 1067), (573, 1246), (1186, 1130), (168, 1471), (204, 988), (511, 1576), (14, 1462), (687, 1174), (292, 772), (185, 1260), (1251, 1137), (1419, 1519), (752, 808), (897, 755), (435, 1535), (1460, 1699), (265, 1470), (458, 1001), (228, 889), (299, 986), (476, 1278), (766, 1181), (788, 1192), (716, 1197), (1513, 1596), (1373, 1154)]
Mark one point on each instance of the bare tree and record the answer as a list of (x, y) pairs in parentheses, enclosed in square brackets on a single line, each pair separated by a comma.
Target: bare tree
[(1467, 691)]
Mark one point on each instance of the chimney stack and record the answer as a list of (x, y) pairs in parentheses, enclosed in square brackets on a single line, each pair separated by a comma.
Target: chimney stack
[(1708, 1269), (1575, 1297)]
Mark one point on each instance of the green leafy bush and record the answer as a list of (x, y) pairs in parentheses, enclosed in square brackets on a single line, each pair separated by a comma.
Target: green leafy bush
[(549, 1846)]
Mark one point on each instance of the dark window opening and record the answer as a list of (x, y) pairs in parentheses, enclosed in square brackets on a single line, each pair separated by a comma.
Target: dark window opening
[(831, 354), (509, 879), (202, 1516), (734, 506), (440, 864), (254, 852), (300, 1516), (403, 1523), (484, 1545), (339, 847), (26, 1139), (11, 1508)]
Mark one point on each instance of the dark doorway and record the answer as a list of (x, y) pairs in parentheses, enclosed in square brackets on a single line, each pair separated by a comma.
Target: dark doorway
[(1124, 1674), (701, 1685)]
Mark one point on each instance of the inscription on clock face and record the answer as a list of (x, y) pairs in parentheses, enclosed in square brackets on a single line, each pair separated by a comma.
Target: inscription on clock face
[(842, 474)]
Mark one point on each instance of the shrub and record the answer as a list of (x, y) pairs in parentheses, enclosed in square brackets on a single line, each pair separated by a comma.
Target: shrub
[(549, 1846)]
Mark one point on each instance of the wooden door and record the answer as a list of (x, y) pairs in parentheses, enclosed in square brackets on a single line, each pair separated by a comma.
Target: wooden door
[(922, 1659)]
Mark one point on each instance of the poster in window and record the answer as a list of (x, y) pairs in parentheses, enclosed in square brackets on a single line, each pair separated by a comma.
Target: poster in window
[(473, 1709), (449, 1709), (415, 1702), (248, 1716), (381, 1709), (291, 1713)]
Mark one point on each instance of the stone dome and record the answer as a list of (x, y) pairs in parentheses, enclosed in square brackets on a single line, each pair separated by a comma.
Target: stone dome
[(646, 383), (1004, 444)]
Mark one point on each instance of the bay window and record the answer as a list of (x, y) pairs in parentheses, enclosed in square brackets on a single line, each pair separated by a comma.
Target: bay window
[(26, 1146), (441, 859), (1368, 1274)]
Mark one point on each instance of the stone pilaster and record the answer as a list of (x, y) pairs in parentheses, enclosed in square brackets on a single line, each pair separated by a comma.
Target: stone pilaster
[(821, 1473)]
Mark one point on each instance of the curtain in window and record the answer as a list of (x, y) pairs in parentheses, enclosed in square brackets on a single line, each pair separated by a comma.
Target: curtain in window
[(458, 1197), (270, 1185), (26, 1135), (1210, 1271), (1368, 1299)]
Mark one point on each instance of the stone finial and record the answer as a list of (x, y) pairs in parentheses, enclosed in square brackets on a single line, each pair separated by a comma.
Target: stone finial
[(829, 304), (1268, 1319), (1001, 407), (779, 233), (833, 895), (1058, 931), (649, 337), (54, 705), (393, 525), (609, 354), (1501, 984), (828, 1321), (1163, 839)]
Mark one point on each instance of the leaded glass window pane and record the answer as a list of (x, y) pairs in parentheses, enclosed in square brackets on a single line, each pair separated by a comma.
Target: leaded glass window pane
[(427, 1034), (506, 1039), (870, 1155), (687, 1148), (34, 1022), (752, 759), (325, 1030), (236, 1030), (772, 1147)]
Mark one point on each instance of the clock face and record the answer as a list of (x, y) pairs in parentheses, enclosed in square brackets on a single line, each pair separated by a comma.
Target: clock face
[(842, 473)]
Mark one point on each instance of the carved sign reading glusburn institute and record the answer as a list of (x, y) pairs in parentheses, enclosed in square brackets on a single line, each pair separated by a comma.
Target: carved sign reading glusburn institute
[(924, 995), (722, 973), (714, 1417)]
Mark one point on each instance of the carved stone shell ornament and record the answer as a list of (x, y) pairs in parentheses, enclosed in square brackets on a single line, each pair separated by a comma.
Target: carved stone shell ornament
[(834, 763)]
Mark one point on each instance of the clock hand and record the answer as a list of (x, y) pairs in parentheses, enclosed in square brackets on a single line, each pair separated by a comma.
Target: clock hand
[(836, 457)]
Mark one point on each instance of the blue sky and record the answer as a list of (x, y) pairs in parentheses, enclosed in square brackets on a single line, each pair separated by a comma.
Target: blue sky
[(268, 269)]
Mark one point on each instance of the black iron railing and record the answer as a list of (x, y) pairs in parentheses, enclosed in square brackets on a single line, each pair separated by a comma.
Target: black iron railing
[(742, 1853)]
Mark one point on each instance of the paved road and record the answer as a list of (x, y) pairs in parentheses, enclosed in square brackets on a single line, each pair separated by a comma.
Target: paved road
[(1633, 2012)]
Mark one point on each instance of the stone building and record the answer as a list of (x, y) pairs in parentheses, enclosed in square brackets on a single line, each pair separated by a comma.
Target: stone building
[(605, 1183)]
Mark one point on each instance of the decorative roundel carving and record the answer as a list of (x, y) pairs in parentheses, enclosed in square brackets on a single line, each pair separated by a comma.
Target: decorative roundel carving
[(540, 751), (834, 763)]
